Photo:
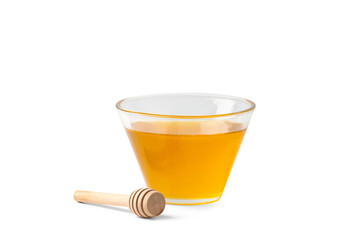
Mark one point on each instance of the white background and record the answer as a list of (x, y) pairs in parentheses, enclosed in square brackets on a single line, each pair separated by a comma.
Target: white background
[(64, 64)]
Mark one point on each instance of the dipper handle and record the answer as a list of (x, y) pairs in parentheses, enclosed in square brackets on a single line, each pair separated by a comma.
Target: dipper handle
[(102, 198)]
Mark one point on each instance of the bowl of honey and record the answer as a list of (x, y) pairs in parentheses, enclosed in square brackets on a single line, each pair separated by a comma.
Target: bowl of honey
[(186, 143)]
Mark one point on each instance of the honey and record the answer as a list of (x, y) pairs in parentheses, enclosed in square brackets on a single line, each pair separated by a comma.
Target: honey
[(186, 160)]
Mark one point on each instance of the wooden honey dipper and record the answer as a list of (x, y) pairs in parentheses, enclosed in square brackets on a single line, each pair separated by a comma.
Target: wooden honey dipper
[(144, 202)]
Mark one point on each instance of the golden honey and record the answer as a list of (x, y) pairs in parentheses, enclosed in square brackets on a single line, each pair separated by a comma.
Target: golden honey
[(186, 160)]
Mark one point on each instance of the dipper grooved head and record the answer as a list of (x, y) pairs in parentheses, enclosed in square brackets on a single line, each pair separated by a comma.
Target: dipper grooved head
[(146, 202)]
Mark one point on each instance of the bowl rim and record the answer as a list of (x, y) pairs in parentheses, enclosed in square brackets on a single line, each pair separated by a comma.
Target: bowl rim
[(250, 108)]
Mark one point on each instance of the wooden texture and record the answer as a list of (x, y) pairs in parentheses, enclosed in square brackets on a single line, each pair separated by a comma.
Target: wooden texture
[(144, 202), (147, 202), (102, 198)]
